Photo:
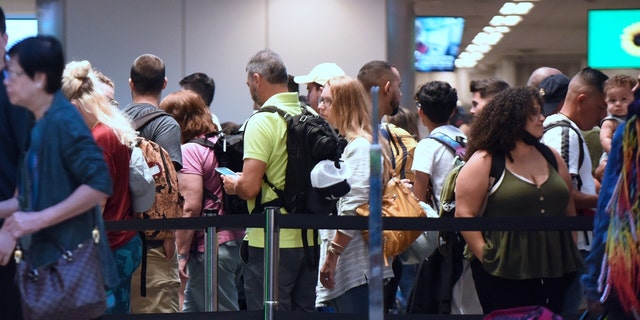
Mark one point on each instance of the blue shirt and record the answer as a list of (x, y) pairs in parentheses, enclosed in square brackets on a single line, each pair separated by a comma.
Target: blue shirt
[(63, 156)]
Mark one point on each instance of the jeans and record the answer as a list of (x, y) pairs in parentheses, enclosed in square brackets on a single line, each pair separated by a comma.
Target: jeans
[(355, 300), (127, 259), (229, 270)]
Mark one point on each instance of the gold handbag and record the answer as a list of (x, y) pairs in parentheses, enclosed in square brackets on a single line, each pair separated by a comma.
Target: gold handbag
[(397, 201)]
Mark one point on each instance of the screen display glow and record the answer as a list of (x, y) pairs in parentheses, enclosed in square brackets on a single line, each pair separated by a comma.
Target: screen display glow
[(613, 38), (437, 42)]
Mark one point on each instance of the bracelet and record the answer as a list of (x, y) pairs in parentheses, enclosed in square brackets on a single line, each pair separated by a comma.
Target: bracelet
[(335, 244), (183, 257), (333, 250)]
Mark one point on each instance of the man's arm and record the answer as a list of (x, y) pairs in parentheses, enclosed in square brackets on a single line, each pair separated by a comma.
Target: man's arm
[(583, 200), (249, 183)]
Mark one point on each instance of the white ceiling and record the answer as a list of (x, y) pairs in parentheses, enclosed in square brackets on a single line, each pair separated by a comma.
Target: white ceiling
[(552, 27)]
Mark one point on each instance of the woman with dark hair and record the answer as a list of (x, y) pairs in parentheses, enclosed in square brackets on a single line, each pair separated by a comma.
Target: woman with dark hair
[(63, 175), (516, 268), (201, 187)]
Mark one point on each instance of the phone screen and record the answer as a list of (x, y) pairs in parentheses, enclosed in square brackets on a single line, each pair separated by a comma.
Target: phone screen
[(226, 171)]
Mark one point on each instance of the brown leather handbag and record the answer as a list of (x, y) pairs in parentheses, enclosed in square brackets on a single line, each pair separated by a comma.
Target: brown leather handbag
[(71, 287), (397, 201)]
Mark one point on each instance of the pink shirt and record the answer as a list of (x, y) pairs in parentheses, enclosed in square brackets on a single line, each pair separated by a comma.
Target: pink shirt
[(200, 160)]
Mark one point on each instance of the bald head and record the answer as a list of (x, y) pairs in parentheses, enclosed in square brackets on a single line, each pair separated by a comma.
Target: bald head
[(540, 74)]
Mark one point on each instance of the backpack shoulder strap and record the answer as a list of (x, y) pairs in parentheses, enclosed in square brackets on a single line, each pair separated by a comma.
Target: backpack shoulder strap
[(203, 142), (143, 120), (497, 167), (498, 162), (274, 109), (548, 154), (206, 143), (457, 147), (566, 124)]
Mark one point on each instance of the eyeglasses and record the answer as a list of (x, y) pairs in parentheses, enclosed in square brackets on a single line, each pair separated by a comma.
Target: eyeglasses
[(326, 101), (114, 103)]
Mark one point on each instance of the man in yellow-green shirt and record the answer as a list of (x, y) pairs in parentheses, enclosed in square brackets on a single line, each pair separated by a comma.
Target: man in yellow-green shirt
[(265, 152)]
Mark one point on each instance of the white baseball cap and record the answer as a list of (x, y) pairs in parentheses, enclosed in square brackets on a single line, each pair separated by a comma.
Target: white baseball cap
[(321, 73)]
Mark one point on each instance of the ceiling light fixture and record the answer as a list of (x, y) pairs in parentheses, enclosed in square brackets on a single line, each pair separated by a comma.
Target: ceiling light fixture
[(484, 48), (519, 8), (510, 15), (509, 21)]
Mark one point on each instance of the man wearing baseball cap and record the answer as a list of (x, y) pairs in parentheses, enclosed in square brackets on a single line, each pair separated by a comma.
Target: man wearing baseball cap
[(553, 90), (317, 79)]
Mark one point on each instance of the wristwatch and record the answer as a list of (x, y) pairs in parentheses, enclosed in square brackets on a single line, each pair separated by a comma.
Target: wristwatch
[(182, 257)]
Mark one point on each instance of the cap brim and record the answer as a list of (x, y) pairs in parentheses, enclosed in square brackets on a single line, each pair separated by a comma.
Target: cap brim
[(303, 79), (142, 199), (549, 108), (142, 185)]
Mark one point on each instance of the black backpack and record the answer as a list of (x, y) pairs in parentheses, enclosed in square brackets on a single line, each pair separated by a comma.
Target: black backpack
[(231, 203), (310, 139)]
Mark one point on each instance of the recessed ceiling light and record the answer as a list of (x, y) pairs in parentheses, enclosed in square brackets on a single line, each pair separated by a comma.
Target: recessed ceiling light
[(509, 21), (520, 8)]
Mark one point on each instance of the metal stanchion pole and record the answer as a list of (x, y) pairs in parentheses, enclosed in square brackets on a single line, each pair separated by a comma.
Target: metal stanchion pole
[(376, 300), (271, 262), (211, 265)]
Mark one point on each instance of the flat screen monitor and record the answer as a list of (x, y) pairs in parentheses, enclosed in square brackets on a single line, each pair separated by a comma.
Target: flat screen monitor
[(437, 43), (613, 38)]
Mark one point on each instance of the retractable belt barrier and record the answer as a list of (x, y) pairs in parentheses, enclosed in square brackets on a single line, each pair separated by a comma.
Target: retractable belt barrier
[(311, 221)]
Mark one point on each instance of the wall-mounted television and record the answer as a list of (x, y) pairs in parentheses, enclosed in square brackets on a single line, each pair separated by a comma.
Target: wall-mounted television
[(437, 42), (613, 38)]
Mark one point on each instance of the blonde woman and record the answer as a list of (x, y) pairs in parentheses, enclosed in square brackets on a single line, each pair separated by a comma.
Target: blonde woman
[(344, 254), (114, 134)]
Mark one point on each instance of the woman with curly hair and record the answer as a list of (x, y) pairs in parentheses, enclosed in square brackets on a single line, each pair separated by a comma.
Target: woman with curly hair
[(516, 268)]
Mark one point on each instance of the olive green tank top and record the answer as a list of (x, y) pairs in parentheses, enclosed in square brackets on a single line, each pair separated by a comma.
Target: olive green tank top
[(529, 254)]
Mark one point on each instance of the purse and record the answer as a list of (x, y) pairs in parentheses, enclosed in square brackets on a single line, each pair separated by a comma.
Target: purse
[(70, 288), (397, 201)]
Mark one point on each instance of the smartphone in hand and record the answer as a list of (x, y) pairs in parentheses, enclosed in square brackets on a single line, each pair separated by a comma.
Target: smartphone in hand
[(226, 171)]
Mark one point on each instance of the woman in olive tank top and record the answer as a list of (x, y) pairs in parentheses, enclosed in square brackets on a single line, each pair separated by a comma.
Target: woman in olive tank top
[(516, 268)]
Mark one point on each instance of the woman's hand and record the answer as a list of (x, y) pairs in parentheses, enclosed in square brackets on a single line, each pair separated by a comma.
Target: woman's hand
[(23, 223), (328, 271), (182, 268), (7, 245)]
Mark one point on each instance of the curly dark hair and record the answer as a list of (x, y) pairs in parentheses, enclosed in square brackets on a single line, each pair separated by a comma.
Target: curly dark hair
[(502, 121)]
